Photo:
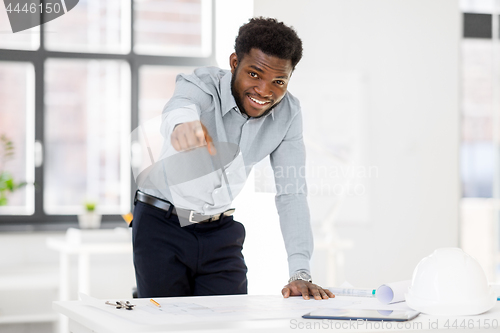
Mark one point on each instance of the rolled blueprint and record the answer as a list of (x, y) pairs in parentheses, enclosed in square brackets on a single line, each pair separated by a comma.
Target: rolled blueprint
[(392, 292)]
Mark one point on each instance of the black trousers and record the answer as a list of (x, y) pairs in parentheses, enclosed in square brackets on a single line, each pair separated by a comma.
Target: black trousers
[(195, 260)]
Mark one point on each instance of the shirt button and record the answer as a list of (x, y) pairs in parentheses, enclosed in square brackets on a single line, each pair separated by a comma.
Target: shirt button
[(205, 206), (216, 191)]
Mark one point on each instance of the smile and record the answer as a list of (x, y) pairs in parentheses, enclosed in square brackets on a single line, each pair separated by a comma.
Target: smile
[(257, 101)]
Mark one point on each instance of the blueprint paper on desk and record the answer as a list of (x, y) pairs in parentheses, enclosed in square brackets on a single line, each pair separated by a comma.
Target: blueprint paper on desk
[(223, 308)]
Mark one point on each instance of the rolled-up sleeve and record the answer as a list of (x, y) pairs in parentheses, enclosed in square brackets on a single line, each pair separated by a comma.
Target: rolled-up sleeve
[(288, 163)]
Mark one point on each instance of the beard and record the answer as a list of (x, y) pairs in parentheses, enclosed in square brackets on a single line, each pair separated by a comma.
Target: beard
[(239, 102)]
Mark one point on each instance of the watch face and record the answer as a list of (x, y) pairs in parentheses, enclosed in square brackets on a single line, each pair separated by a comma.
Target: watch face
[(305, 276)]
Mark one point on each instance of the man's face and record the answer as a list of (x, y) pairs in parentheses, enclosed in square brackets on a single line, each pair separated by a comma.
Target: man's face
[(259, 81)]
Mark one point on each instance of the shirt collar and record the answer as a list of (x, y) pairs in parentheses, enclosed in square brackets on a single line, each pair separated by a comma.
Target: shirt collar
[(271, 113), (227, 99)]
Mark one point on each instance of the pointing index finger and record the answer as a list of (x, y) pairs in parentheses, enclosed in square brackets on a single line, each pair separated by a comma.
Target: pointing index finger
[(210, 144)]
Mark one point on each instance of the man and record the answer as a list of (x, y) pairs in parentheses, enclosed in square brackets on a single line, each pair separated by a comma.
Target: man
[(216, 127)]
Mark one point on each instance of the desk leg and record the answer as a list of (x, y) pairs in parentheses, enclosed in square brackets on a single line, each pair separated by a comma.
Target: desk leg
[(64, 284), (64, 280), (84, 273)]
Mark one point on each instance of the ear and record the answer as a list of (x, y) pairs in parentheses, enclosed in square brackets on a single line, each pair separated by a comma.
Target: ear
[(233, 62)]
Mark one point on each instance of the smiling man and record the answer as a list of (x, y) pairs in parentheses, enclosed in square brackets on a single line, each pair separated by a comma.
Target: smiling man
[(259, 81), (186, 242)]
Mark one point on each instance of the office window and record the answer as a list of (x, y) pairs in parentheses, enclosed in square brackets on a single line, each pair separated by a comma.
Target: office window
[(24, 40), (173, 27), (477, 126), (69, 104), (92, 26), (156, 87), (17, 93), (88, 121)]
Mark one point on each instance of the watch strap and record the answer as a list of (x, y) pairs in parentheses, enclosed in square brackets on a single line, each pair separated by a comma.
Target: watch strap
[(300, 275)]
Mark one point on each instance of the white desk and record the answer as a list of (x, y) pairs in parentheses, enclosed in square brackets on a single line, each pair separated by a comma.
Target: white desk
[(249, 314)]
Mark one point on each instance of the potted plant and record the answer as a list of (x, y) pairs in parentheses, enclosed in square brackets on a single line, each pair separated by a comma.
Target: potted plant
[(89, 219), (7, 183)]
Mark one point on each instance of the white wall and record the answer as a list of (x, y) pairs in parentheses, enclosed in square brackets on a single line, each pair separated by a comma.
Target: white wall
[(228, 19), (405, 57)]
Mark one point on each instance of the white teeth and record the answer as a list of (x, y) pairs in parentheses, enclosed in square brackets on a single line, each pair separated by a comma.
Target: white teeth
[(257, 101)]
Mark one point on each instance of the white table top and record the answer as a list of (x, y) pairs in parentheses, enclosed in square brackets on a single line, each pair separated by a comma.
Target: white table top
[(243, 313), (96, 241)]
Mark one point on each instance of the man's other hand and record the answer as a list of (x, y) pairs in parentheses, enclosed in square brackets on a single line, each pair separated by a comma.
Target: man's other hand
[(191, 135), (306, 289)]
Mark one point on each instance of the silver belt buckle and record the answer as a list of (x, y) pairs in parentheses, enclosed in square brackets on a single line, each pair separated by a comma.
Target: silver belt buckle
[(191, 215), (190, 219), (228, 212)]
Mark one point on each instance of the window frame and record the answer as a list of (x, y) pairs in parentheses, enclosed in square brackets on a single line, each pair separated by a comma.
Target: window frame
[(40, 220)]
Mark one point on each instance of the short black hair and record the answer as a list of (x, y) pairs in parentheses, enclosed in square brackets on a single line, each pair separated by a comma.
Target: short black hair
[(271, 37)]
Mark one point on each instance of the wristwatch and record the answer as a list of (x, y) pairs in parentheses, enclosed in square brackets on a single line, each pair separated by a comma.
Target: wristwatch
[(300, 275)]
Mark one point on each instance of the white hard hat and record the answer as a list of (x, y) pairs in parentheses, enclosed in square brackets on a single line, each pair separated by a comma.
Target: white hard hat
[(450, 282)]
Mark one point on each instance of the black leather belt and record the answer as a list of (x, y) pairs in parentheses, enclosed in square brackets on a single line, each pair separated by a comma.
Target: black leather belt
[(190, 215)]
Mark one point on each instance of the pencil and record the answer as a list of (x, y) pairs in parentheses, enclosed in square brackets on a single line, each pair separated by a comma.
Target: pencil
[(155, 303), (128, 217)]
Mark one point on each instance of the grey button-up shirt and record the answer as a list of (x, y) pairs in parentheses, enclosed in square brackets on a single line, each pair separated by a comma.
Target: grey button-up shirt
[(194, 183)]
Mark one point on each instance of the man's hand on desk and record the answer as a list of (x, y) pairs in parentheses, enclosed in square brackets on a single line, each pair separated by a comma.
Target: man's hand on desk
[(190, 135), (304, 288)]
